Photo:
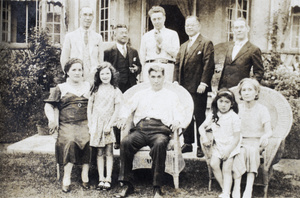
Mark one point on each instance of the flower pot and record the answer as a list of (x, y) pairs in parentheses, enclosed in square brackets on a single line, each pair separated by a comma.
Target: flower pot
[(42, 130)]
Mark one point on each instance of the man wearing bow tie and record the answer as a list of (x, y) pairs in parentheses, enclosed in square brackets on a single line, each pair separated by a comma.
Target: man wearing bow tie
[(194, 68), (84, 44), (159, 46), (126, 61), (241, 57)]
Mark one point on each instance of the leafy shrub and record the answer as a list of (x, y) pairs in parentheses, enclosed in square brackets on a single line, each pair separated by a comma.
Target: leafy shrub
[(25, 78), (287, 83)]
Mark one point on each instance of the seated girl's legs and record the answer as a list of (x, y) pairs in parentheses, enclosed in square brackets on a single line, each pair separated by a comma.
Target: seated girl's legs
[(109, 161), (100, 163), (85, 173), (215, 165), (67, 174), (227, 176), (249, 185), (236, 193)]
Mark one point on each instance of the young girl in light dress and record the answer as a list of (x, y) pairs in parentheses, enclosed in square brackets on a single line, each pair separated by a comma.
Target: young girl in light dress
[(103, 108), (224, 124), (255, 130)]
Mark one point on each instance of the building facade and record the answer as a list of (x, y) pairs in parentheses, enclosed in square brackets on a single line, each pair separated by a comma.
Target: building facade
[(267, 18)]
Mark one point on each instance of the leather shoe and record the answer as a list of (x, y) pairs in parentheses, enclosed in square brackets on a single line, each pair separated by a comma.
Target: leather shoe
[(157, 192), (65, 189), (117, 146), (125, 190), (199, 152), (187, 148), (85, 185)]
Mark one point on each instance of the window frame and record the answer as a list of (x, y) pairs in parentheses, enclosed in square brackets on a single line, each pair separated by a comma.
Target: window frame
[(102, 31), (237, 10), (9, 21), (292, 27), (50, 8)]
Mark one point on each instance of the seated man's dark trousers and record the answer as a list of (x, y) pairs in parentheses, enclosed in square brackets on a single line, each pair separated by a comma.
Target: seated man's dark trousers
[(148, 132)]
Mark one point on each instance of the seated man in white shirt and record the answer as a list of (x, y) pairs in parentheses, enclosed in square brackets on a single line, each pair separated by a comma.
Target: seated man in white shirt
[(157, 114)]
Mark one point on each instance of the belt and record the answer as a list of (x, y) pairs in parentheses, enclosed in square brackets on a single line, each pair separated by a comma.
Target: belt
[(163, 61)]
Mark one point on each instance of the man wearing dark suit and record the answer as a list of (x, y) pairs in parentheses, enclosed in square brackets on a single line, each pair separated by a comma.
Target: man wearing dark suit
[(126, 61), (193, 70), (241, 57)]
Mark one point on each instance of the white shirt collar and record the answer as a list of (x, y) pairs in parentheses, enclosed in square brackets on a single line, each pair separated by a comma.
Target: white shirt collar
[(193, 38), (241, 43), (162, 29), (120, 46)]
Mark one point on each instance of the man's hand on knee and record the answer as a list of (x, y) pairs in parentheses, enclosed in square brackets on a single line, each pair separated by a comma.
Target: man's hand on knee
[(121, 123)]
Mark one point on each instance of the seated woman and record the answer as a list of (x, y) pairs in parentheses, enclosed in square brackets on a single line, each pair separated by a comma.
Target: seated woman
[(66, 110), (256, 130)]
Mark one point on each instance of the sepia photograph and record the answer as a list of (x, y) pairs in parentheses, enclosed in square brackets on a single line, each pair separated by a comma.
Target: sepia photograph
[(150, 98)]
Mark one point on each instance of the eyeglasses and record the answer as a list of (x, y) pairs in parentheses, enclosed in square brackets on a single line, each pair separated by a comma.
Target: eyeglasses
[(190, 25)]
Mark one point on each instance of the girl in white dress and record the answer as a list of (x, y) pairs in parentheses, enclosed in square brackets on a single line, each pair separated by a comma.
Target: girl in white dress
[(224, 124), (103, 108)]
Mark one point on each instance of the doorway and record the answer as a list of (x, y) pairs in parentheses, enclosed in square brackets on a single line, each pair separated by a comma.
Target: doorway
[(174, 21)]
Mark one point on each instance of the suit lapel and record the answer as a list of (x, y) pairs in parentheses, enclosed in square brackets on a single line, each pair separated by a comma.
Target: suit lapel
[(242, 51), (129, 54), (91, 41), (194, 47), (183, 52), (79, 41), (229, 52), (114, 54)]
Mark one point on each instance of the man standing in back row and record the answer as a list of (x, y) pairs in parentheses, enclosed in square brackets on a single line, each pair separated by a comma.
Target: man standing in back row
[(84, 44), (159, 46), (193, 70), (241, 57)]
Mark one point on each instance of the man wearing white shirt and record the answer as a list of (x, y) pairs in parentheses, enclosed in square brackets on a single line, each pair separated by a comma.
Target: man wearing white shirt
[(84, 44), (158, 113), (241, 57), (159, 45)]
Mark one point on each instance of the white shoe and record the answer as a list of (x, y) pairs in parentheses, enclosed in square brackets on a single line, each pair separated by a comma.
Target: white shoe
[(224, 195)]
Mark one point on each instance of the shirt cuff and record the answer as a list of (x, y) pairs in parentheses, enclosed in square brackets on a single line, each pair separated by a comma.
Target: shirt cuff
[(202, 83)]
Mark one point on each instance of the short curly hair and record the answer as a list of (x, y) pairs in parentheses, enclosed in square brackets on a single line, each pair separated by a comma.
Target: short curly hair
[(97, 80)]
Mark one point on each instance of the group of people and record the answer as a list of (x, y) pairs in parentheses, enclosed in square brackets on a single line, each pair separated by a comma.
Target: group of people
[(88, 111)]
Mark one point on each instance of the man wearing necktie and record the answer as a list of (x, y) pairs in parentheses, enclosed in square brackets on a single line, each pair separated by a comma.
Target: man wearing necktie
[(241, 57), (125, 60), (159, 46), (84, 44), (194, 68)]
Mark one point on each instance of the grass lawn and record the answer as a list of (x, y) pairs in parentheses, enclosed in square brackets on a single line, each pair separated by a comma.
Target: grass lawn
[(34, 175)]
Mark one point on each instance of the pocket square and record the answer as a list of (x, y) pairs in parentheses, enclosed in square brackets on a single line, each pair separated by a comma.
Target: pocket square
[(199, 52), (134, 59)]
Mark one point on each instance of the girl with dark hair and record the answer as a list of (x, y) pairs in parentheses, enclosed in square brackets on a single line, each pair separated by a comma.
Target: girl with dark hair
[(224, 124), (103, 108)]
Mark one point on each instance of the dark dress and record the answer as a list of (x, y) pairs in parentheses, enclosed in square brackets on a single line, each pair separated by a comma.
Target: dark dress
[(72, 144)]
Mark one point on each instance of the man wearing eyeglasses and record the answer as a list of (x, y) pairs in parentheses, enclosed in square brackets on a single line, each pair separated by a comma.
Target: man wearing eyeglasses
[(194, 68)]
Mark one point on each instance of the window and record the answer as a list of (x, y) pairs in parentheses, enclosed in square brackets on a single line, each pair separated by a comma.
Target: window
[(53, 21), (18, 18), (295, 33), (236, 9), (104, 22)]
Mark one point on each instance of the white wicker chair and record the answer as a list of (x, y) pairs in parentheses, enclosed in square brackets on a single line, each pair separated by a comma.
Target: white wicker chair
[(281, 121), (174, 161)]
